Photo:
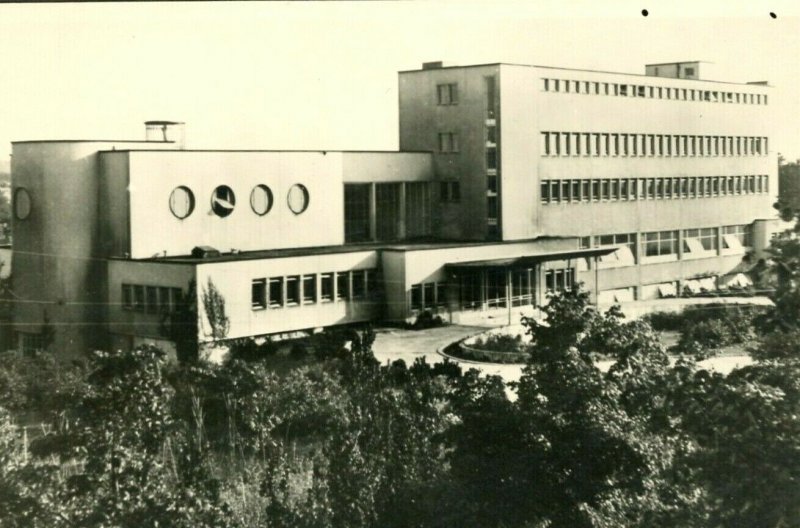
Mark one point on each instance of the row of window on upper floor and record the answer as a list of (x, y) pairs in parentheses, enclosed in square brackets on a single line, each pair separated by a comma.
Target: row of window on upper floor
[(697, 242), (647, 145), (296, 290), (650, 92), (628, 189), (151, 299)]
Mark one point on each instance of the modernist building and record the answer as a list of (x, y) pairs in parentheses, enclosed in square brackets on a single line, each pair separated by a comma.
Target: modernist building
[(511, 181)]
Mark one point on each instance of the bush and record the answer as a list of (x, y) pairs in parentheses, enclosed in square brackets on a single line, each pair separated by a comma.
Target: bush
[(298, 352), (426, 320), (247, 349), (665, 321), (499, 343), (38, 384)]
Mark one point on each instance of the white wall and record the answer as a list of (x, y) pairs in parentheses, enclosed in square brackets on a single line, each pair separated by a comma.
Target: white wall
[(153, 176), (234, 280)]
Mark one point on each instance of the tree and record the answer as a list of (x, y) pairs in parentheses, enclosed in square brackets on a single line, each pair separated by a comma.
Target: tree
[(214, 306), (181, 326), (579, 447), (134, 467)]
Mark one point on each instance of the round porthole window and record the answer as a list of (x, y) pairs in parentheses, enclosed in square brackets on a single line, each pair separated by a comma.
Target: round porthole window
[(181, 202), (223, 201), (261, 200), (298, 198), (22, 204)]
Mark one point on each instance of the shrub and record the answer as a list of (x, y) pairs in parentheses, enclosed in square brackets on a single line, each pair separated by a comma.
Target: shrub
[(298, 351), (499, 343), (665, 321), (426, 320)]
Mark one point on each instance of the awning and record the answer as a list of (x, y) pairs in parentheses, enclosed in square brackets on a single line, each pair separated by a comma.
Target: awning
[(667, 289), (737, 281), (528, 261), (693, 286)]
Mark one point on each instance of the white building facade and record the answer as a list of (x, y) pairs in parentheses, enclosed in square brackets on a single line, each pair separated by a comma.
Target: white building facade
[(511, 181)]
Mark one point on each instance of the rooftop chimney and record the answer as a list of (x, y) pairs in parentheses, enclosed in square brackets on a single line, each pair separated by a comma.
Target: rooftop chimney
[(166, 131), (436, 65)]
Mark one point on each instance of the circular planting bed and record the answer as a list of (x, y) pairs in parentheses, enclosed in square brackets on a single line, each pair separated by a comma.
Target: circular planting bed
[(506, 345)]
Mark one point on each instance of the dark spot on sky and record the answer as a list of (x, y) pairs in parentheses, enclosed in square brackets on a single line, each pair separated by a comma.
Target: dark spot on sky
[(773, 15), (644, 12)]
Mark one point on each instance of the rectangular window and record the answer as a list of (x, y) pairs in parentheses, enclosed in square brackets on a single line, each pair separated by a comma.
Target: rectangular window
[(576, 190), (623, 90), (491, 183), (356, 212), (585, 190), (576, 141), (587, 144), (164, 303), (429, 294), (595, 190), (127, 296), (326, 287), (555, 191), (564, 191), (343, 285), (491, 158), (660, 243), (546, 85), (546, 143), (138, 298), (151, 305), (491, 206), (309, 289), (447, 94), (293, 290), (416, 297), (556, 85), (597, 141), (615, 189), (449, 191), (359, 284), (276, 292), (258, 294), (448, 142), (545, 192), (615, 144), (700, 240), (373, 288)]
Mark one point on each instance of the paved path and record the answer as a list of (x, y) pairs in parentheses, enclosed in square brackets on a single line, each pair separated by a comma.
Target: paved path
[(392, 344)]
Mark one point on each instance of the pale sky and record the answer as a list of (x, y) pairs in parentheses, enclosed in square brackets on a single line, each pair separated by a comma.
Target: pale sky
[(324, 75)]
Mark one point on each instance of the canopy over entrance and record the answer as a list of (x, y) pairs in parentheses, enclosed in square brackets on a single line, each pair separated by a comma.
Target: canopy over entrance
[(528, 261), (514, 281)]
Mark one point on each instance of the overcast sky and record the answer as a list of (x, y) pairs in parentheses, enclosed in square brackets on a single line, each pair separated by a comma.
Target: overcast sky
[(324, 75)]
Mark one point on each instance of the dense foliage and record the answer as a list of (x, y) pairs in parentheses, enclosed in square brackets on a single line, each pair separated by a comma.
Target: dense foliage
[(338, 440)]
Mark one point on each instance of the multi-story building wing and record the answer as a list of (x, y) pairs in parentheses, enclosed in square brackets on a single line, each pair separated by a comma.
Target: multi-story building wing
[(677, 170), (511, 181)]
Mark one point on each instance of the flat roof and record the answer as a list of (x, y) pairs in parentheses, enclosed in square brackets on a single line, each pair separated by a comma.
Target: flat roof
[(88, 141), (275, 150), (529, 260), (420, 70), (425, 244)]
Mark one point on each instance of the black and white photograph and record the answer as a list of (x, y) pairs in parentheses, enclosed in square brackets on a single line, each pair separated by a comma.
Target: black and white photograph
[(396, 264)]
